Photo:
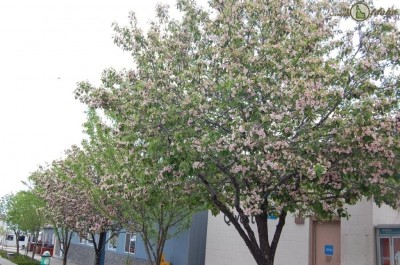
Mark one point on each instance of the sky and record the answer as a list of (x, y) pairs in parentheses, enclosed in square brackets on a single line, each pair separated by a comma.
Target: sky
[(46, 47)]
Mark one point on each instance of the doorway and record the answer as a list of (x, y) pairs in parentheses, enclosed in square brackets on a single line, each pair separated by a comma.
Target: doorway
[(389, 250), (325, 243)]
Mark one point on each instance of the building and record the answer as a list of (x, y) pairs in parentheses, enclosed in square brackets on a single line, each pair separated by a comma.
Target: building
[(128, 248), (370, 236), (8, 238), (3, 233)]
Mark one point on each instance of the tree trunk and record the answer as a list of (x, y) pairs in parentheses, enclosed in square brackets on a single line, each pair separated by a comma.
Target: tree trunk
[(99, 249), (262, 251), (66, 236), (147, 245), (35, 235), (160, 246), (33, 251), (65, 260), (97, 259), (17, 241), (268, 250), (65, 252)]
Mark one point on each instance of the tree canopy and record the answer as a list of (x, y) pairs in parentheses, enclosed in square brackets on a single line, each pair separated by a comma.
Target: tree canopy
[(142, 203), (69, 202), (259, 108), (21, 212)]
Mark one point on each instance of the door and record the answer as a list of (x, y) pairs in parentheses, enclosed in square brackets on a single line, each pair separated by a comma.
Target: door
[(396, 250), (326, 245), (384, 251), (389, 250)]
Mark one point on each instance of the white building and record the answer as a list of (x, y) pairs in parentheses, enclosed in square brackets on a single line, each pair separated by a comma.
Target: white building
[(8, 239), (2, 233), (371, 236)]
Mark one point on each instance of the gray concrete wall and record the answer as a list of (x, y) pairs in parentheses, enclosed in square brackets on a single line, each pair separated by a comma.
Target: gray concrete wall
[(198, 238), (84, 255)]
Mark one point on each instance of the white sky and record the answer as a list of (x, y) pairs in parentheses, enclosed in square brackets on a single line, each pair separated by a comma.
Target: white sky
[(46, 46), (41, 41)]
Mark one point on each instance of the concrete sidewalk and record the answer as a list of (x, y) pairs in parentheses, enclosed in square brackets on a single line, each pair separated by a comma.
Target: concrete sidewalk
[(53, 260), (5, 262)]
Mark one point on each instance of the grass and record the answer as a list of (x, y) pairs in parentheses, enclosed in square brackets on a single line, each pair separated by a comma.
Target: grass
[(20, 259)]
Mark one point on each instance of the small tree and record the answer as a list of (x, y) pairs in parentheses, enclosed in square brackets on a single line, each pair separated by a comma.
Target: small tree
[(94, 220), (70, 204), (155, 209), (11, 216), (32, 219), (21, 213), (269, 106), (59, 205)]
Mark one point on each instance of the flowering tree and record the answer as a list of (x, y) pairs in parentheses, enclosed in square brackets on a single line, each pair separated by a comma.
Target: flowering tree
[(60, 204), (155, 207), (269, 106), (70, 205)]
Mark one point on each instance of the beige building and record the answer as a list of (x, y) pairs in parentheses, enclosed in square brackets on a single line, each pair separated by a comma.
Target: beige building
[(371, 236)]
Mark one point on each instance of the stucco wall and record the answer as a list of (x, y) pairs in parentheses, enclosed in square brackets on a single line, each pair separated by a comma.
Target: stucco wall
[(294, 244), (357, 235), (385, 215)]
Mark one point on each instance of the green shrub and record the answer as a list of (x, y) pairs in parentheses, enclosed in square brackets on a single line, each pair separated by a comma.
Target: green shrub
[(20, 259), (24, 260)]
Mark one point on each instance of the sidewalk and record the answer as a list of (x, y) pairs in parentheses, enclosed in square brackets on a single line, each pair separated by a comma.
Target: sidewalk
[(5, 262), (53, 260)]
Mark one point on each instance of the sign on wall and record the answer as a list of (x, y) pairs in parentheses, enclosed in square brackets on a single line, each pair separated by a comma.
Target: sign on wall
[(328, 250)]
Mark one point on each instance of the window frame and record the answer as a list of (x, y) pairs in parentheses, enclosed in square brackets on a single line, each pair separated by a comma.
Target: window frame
[(82, 240), (89, 241), (113, 247), (131, 235)]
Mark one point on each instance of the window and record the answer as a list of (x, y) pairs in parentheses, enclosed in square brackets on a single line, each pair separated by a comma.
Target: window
[(82, 240), (10, 237), (21, 238), (89, 240), (130, 242), (112, 243)]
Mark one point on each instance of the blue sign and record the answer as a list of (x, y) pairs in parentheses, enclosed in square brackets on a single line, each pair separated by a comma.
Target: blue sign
[(328, 250), (272, 217)]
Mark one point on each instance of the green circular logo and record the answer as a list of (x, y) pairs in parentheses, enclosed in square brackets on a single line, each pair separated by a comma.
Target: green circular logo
[(359, 11)]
